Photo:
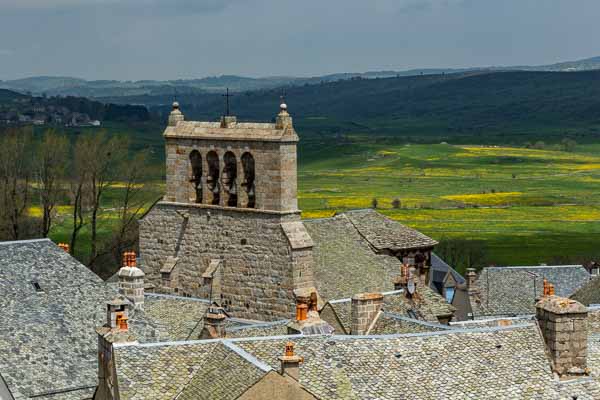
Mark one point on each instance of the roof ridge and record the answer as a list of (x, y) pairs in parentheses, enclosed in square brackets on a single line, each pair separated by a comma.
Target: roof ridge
[(170, 296), (535, 266), (270, 323), (247, 356), (417, 321), (8, 242)]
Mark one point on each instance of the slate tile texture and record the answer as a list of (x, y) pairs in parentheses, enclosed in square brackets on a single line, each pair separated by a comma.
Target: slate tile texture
[(513, 290)]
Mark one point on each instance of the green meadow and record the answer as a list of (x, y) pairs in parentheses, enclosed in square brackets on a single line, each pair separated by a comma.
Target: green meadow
[(530, 206)]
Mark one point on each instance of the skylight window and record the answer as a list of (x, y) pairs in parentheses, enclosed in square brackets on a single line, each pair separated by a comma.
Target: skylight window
[(37, 286)]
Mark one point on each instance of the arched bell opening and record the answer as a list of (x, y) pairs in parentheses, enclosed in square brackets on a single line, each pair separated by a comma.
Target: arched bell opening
[(248, 183), (229, 179), (196, 175), (212, 180)]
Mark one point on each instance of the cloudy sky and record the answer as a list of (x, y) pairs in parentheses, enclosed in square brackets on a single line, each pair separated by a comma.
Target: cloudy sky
[(169, 39)]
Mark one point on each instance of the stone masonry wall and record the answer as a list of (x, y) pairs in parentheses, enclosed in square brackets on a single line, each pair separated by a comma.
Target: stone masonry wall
[(258, 268), (275, 171), (563, 323), (365, 307)]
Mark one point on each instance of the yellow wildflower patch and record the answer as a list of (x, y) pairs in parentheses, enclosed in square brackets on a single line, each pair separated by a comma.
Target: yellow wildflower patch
[(485, 198), (318, 214), (36, 211)]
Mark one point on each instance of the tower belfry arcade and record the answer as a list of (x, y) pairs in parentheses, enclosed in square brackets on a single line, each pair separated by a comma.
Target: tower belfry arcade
[(228, 227)]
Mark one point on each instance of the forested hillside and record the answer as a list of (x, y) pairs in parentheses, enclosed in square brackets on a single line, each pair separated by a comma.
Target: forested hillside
[(447, 105)]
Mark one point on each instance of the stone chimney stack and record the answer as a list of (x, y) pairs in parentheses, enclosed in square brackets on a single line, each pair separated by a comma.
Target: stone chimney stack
[(214, 323), (290, 363), (116, 330), (563, 323), (471, 277), (131, 280), (402, 280), (365, 307), (176, 115)]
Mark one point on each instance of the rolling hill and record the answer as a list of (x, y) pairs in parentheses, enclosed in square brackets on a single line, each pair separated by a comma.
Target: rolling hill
[(479, 104), (68, 86)]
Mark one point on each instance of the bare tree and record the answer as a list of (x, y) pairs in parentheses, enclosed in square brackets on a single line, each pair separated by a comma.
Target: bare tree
[(15, 176), (50, 163), (82, 150), (101, 171)]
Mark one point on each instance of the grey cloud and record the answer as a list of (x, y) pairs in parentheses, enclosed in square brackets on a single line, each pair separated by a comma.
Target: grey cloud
[(169, 39), (183, 6)]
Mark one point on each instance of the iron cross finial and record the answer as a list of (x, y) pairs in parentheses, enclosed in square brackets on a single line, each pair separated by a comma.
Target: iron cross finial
[(227, 96)]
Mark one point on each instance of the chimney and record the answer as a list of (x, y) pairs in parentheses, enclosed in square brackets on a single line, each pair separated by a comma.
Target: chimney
[(64, 246), (471, 276), (308, 320), (131, 280), (214, 323), (401, 280), (117, 315), (116, 330), (563, 323), (365, 306), (301, 311), (290, 363)]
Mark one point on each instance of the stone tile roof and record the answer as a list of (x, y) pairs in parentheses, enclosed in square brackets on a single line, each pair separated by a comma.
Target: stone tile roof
[(512, 290), (206, 369), (384, 233), (390, 323), (263, 329), (47, 337), (345, 263), (158, 371), (589, 293), (504, 363), (427, 309), (237, 131), (225, 374), (498, 362), (48, 341), (173, 317)]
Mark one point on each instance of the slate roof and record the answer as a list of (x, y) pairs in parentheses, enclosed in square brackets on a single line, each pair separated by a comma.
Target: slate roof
[(438, 271), (503, 363), (497, 362), (389, 323), (384, 233), (350, 252), (206, 369), (173, 317), (47, 338), (274, 328), (512, 290), (345, 264), (396, 303), (589, 293), (48, 343)]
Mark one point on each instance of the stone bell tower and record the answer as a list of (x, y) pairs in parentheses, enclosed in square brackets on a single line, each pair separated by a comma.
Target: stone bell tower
[(228, 227)]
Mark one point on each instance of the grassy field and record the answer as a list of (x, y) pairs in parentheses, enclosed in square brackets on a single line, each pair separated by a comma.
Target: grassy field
[(530, 206)]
